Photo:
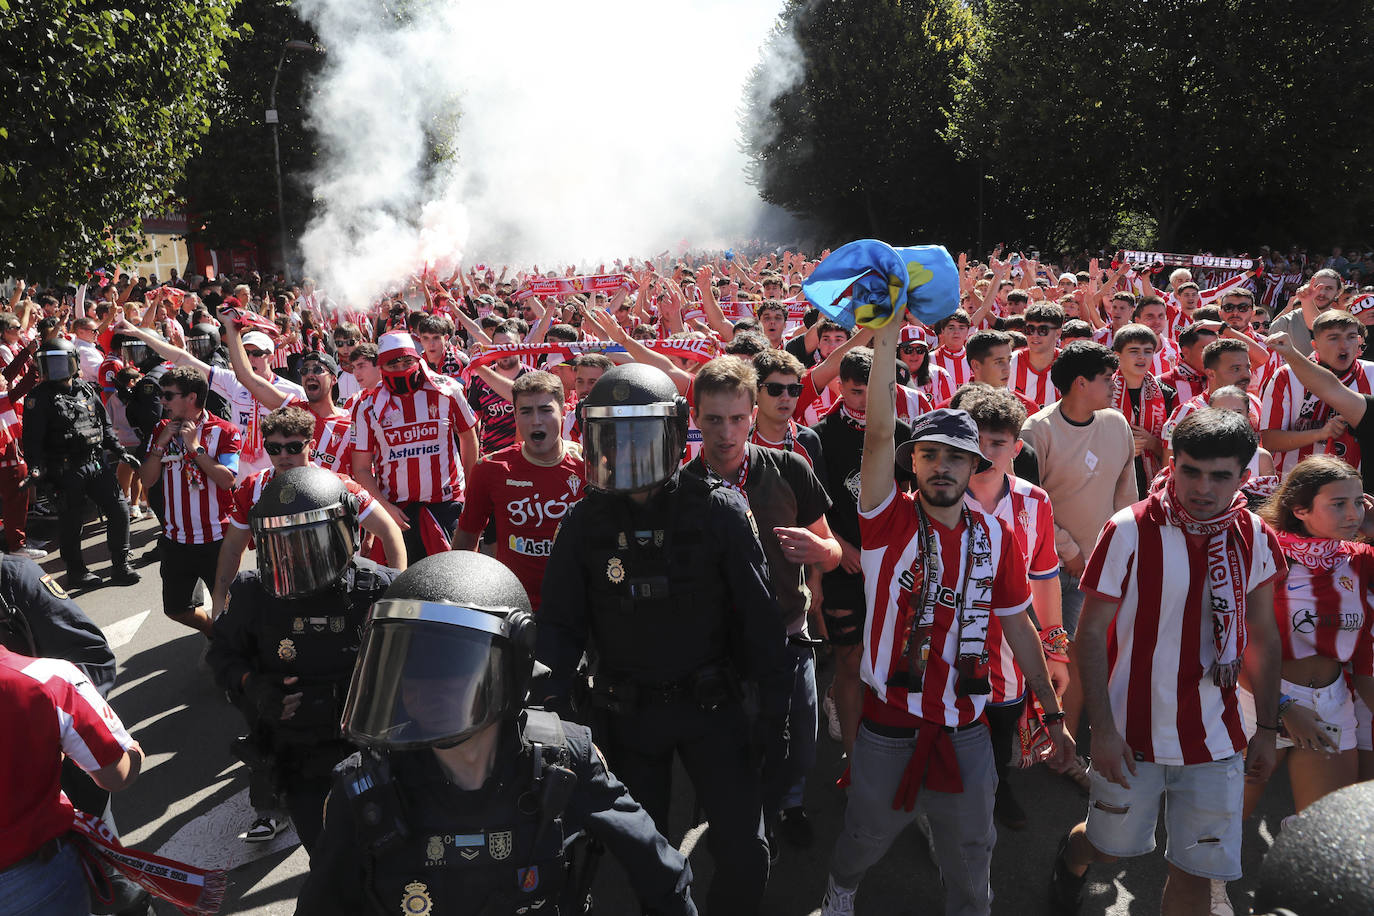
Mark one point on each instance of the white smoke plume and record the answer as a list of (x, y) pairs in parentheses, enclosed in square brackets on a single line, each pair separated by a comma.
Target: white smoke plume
[(587, 131)]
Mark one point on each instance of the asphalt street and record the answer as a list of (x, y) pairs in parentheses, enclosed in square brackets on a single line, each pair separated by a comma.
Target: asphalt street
[(190, 803)]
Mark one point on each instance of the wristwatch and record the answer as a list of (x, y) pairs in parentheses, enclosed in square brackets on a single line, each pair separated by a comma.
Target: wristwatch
[(200, 450)]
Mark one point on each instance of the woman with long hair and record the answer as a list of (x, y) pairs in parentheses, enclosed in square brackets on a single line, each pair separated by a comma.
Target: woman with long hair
[(1325, 622)]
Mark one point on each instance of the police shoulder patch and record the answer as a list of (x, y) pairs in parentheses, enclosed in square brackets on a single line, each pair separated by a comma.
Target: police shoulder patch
[(51, 585)]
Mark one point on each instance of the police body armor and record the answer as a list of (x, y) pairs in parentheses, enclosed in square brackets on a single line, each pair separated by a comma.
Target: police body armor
[(316, 639), (511, 855), (143, 406), (657, 615), (215, 402), (74, 430)]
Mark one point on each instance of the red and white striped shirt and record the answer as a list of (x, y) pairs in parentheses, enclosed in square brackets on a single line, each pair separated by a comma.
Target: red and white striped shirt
[(1159, 643), (247, 494), (1030, 383), (955, 362), (1288, 405), (1025, 508), (813, 403), (333, 440), (414, 439), (1166, 357), (248, 412), (195, 511), (49, 708), (790, 443), (1186, 381), (891, 546), (941, 386), (1199, 401), (11, 433), (1327, 612)]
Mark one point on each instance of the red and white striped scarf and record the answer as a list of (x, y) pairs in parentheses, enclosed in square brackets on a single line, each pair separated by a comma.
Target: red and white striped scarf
[(1151, 415), (701, 351), (191, 890)]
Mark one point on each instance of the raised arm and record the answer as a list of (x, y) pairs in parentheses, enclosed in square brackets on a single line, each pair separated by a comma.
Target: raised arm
[(876, 480), (1319, 380), (259, 387), (829, 368)]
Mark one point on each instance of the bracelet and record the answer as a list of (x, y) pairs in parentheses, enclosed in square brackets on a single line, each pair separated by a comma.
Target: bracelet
[(1285, 703), (1268, 728)]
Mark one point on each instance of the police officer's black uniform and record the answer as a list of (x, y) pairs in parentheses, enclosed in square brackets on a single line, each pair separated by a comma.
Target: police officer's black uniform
[(66, 437), (299, 615), (453, 638), (674, 594)]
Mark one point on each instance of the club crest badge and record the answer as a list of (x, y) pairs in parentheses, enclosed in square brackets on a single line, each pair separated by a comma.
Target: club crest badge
[(415, 901), (499, 845), (286, 650), (615, 571)]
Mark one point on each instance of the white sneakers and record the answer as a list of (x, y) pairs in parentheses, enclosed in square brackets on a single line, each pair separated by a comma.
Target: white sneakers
[(832, 718), (839, 901), (1221, 904), (31, 553)]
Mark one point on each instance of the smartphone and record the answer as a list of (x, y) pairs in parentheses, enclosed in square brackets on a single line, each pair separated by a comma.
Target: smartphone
[(1333, 732)]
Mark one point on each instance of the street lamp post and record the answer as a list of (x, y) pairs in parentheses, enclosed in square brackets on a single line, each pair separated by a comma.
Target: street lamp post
[(288, 45)]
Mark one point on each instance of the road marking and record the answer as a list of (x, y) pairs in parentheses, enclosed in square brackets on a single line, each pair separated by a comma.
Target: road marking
[(212, 840), (121, 632)]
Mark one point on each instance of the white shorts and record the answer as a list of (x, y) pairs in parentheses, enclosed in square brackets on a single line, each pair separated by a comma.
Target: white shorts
[(1332, 703), (1362, 738), (1202, 815)]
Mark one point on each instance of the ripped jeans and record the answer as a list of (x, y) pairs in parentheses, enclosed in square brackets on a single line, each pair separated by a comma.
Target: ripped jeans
[(1202, 815)]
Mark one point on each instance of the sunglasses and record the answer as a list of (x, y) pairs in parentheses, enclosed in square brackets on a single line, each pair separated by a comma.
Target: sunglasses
[(314, 369), (1040, 330), (345, 341), (914, 348), (776, 389), (291, 448), (1260, 325), (1231, 307), (168, 394), (253, 353)]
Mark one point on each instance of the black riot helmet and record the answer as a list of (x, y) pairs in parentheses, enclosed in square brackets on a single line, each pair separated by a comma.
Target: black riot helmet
[(634, 429), (57, 360), (306, 527), (203, 340), (136, 352), (448, 651)]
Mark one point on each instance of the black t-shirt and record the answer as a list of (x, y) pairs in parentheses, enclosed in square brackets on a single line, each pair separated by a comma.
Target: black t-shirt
[(797, 347), (783, 491), (495, 413), (843, 446), (1364, 435)]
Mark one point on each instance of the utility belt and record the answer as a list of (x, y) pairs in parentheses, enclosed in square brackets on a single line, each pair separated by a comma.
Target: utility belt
[(709, 687)]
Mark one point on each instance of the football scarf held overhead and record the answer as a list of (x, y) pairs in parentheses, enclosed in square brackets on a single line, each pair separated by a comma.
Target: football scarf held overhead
[(701, 351), (570, 286), (1225, 586)]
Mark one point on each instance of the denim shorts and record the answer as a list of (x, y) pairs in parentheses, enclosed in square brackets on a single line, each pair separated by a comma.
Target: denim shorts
[(1332, 703), (1202, 815)]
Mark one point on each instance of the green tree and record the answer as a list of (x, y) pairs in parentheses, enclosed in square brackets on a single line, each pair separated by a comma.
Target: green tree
[(855, 143), (230, 187), (1215, 122), (103, 105)]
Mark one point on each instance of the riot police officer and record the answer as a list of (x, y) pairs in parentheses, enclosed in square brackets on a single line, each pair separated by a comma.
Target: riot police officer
[(465, 801), (285, 644), (66, 436), (204, 343), (664, 572)]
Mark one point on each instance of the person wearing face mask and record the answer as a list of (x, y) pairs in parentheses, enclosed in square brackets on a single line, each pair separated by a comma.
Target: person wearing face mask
[(414, 445), (526, 488)]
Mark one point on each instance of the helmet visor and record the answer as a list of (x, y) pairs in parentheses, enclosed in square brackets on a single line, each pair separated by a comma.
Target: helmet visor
[(56, 365), (628, 454), (202, 347), (421, 681), (134, 352), (304, 553)]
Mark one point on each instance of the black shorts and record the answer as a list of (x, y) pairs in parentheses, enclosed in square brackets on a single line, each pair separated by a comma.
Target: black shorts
[(181, 565), (843, 592)]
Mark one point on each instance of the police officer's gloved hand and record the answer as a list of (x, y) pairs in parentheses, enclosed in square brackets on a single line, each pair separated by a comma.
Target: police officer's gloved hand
[(127, 457), (266, 693)]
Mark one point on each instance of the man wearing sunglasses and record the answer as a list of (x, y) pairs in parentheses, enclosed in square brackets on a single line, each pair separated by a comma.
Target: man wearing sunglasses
[(1030, 368), (246, 411), (780, 386), (194, 455)]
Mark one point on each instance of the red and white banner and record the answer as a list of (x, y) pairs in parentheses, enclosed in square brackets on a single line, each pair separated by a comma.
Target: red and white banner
[(1172, 259), (568, 286), (700, 351)]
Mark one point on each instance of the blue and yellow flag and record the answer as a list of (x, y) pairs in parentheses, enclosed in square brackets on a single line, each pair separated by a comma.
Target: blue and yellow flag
[(867, 282)]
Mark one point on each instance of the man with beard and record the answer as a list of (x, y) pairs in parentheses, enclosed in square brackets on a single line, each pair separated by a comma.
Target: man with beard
[(1294, 422), (1314, 297), (332, 446), (528, 487), (938, 569)]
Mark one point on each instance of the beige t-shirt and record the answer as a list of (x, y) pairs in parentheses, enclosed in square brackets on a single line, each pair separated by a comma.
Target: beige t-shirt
[(1088, 471)]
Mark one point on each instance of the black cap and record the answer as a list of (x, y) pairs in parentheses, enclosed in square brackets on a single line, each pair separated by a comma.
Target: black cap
[(954, 428), (324, 359)]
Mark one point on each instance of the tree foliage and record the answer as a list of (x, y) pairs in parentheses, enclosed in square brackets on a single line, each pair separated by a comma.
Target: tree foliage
[(1215, 122), (855, 141), (230, 187), (103, 107)]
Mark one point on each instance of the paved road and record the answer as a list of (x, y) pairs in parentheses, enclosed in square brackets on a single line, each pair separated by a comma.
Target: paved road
[(190, 802)]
